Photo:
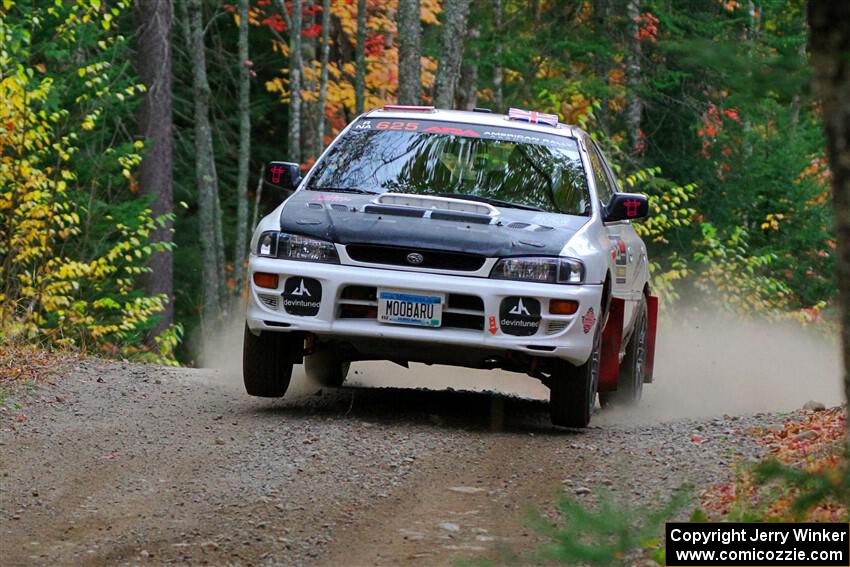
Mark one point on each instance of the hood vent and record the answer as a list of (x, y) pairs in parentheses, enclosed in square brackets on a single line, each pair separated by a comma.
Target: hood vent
[(437, 203)]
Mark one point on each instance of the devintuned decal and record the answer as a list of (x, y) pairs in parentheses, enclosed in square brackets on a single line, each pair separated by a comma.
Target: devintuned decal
[(587, 320), (302, 296), (519, 316)]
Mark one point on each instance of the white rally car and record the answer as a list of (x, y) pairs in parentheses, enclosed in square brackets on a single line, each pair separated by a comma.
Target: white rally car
[(461, 238)]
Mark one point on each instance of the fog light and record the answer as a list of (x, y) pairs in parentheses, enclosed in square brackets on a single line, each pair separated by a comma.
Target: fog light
[(563, 306), (262, 279)]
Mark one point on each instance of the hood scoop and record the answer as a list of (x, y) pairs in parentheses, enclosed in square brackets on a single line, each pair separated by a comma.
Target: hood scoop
[(437, 208)]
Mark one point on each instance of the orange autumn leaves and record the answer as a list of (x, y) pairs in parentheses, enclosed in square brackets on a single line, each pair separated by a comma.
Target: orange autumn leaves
[(381, 55), (813, 443)]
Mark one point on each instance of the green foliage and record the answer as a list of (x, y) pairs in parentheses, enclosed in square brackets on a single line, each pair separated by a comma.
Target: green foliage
[(609, 533), (70, 261), (814, 488), (730, 277)]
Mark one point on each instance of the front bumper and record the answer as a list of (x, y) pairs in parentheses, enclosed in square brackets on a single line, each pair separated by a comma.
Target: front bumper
[(561, 336)]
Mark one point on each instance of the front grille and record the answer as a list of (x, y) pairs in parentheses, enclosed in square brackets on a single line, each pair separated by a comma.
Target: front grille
[(397, 256), (461, 311)]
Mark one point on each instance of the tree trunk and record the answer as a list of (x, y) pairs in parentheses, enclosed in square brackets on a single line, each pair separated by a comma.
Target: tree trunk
[(360, 59), (323, 79), (309, 109), (244, 148), (293, 24), (409, 52), (154, 122), (829, 25), (467, 88), (498, 97), (601, 64), (634, 104), (205, 172), (451, 55)]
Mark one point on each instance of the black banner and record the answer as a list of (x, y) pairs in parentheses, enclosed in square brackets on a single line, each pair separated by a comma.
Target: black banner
[(763, 544)]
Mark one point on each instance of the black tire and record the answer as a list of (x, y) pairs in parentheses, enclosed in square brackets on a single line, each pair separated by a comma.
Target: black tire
[(572, 389), (633, 368), (267, 361), (326, 368)]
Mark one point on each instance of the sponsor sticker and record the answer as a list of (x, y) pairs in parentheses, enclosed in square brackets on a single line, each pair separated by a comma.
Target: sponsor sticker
[(302, 296), (587, 320), (519, 316)]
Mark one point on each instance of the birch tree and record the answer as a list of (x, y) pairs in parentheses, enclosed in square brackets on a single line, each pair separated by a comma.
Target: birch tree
[(451, 53), (293, 24), (209, 210), (409, 52), (634, 103), (497, 66), (360, 59), (153, 63), (244, 147), (323, 77), (829, 42)]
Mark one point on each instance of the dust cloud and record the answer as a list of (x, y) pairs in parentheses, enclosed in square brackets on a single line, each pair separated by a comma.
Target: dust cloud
[(704, 367), (712, 366), (221, 351)]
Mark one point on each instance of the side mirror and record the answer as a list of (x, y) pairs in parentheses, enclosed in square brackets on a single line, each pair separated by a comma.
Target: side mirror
[(282, 175), (626, 206)]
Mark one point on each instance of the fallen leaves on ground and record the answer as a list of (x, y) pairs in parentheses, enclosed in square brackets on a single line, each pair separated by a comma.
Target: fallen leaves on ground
[(812, 441)]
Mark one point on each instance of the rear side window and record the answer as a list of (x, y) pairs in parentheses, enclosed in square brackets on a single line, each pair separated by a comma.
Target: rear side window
[(603, 183)]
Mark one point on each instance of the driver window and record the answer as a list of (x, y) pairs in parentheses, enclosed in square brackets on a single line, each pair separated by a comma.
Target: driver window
[(603, 184)]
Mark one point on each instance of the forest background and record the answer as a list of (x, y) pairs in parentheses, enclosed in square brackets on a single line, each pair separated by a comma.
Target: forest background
[(132, 136)]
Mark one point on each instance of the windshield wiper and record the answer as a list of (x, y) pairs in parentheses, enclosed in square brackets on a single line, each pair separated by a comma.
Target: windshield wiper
[(489, 201), (342, 190)]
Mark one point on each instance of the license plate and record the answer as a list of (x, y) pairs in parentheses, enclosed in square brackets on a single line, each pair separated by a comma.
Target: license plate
[(410, 308)]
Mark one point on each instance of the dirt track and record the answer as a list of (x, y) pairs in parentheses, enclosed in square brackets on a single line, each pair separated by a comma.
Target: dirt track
[(127, 464)]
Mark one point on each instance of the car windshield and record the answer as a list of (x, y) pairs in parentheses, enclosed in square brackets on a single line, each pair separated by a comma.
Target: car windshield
[(503, 166)]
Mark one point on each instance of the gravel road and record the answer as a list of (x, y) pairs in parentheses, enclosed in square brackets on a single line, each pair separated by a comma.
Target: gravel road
[(122, 464)]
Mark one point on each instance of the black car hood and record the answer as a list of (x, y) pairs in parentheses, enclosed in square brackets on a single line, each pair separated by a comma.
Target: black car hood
[(351, 218)]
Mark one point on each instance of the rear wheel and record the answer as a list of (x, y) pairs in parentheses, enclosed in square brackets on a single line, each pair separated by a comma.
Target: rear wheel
[(633, 368), (326, 368), (267, 361), (572, 389)]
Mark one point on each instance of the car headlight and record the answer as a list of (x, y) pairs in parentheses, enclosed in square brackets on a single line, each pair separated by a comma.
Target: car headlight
[(539, 269), (287, 246)]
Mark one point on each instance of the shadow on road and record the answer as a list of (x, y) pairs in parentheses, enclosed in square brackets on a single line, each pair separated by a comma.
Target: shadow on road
[(451, 409)]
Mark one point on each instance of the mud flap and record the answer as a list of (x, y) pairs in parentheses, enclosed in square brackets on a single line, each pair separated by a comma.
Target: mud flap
[(651, 326), (612, 340)]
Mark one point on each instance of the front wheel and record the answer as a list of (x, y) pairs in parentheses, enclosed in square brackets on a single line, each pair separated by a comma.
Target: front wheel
[(572, 389), (267, 361)]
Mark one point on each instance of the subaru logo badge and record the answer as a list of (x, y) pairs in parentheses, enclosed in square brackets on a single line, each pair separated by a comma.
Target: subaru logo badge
[(415, 258)]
